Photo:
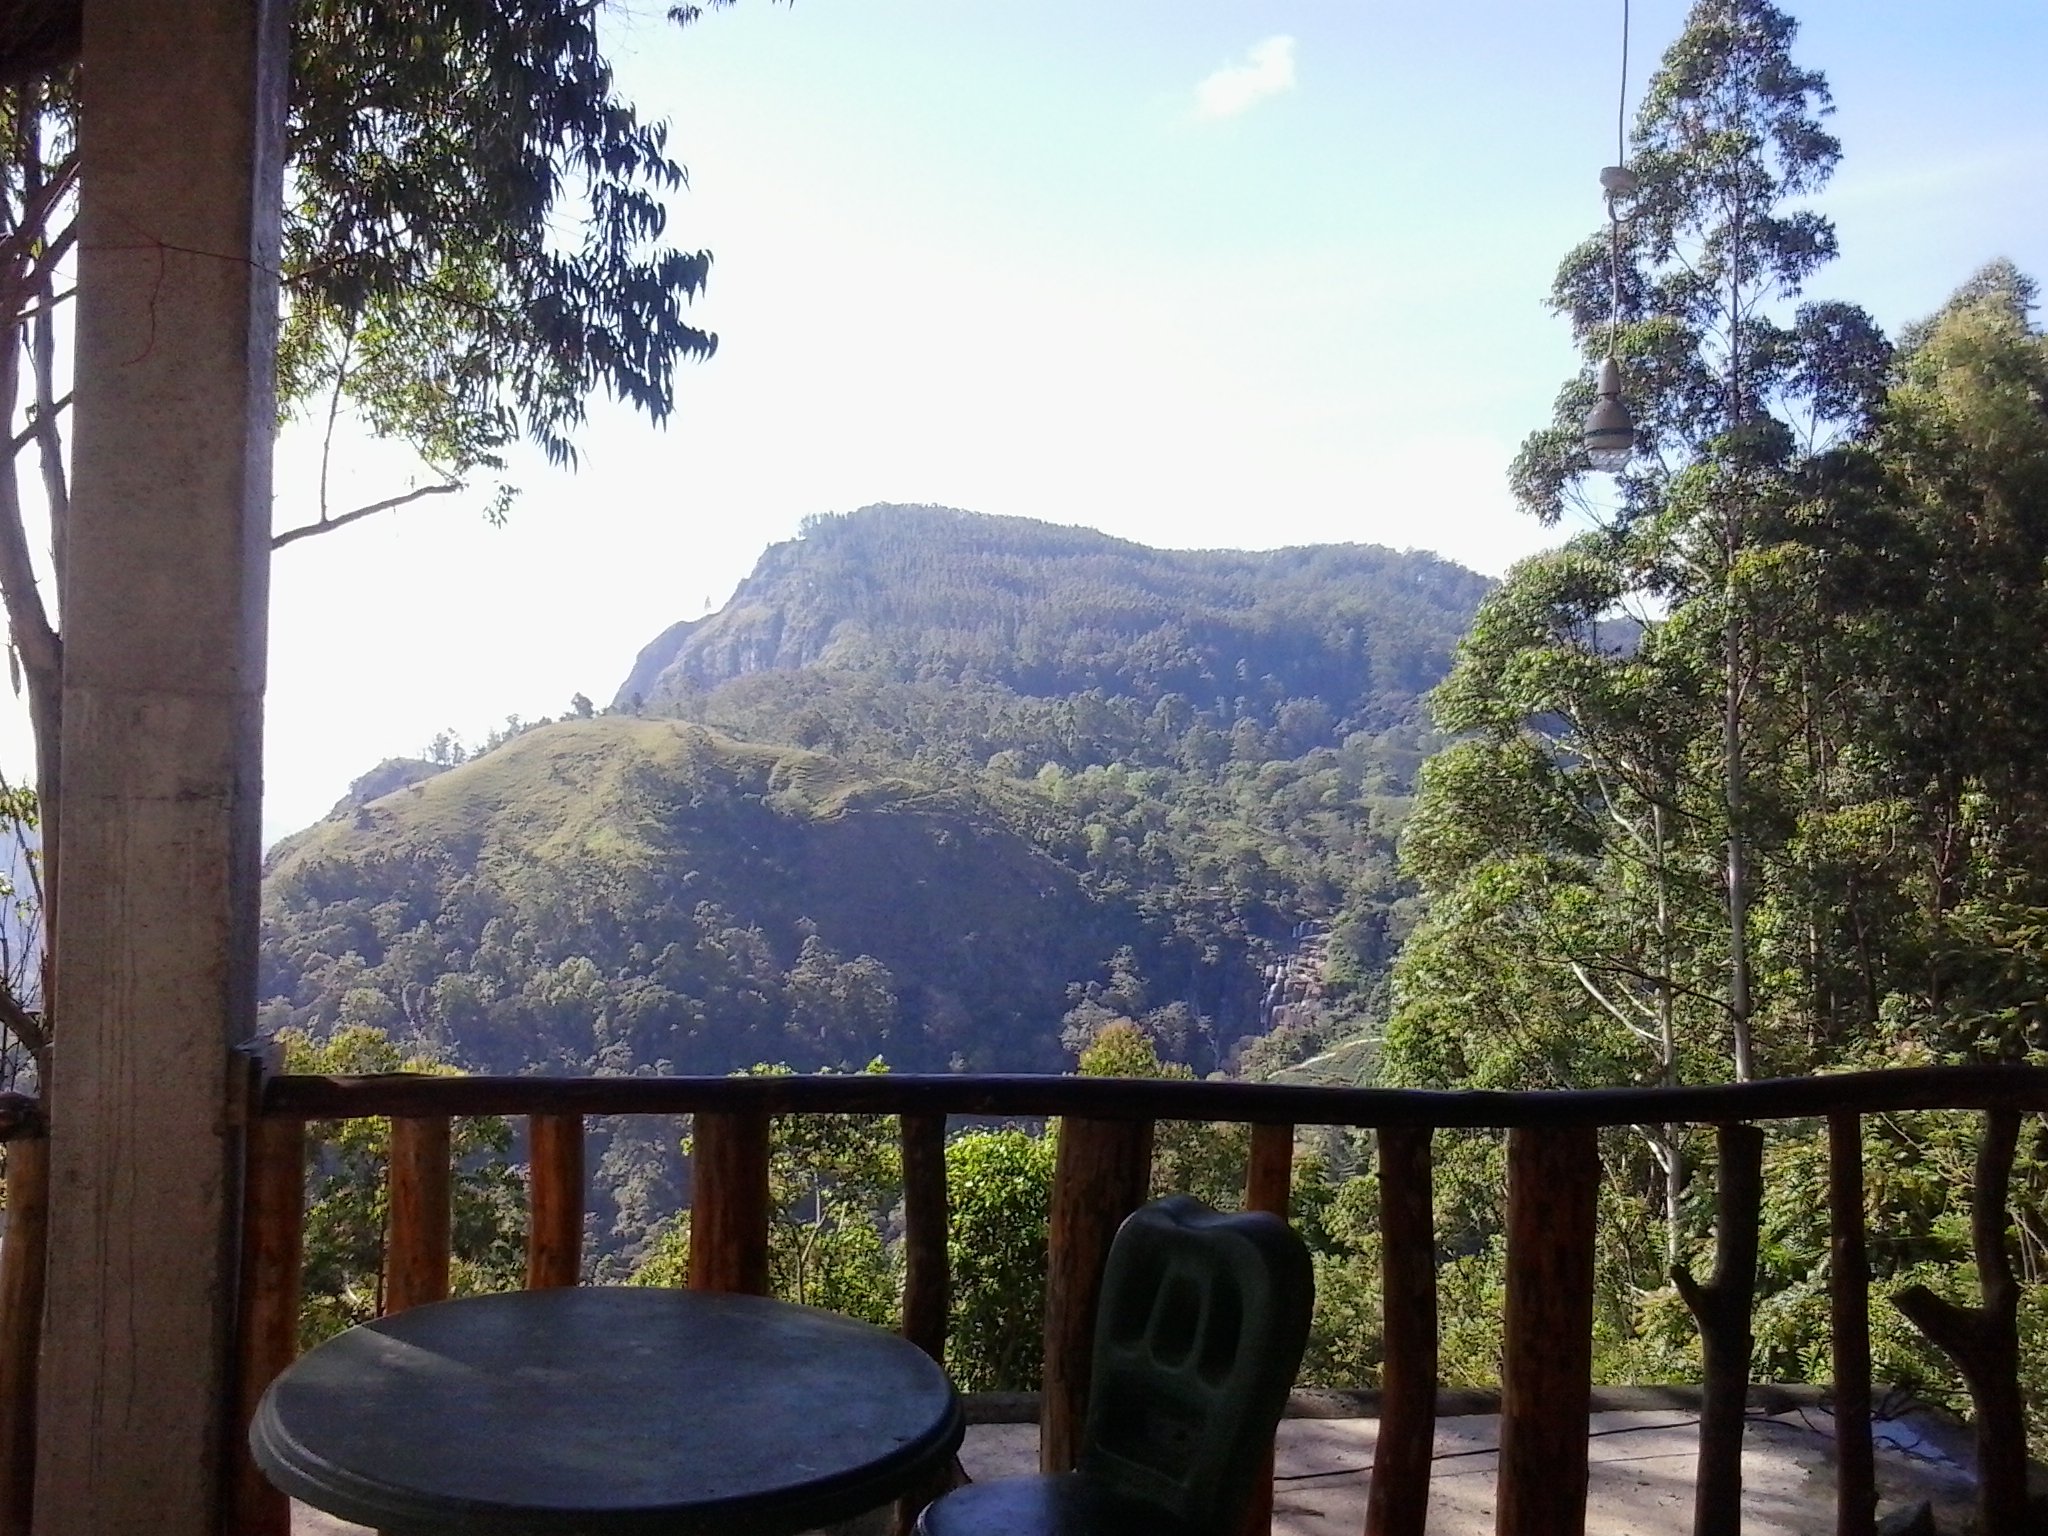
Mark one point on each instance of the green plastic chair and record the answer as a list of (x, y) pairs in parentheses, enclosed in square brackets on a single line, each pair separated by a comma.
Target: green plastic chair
[(1201, 1329)]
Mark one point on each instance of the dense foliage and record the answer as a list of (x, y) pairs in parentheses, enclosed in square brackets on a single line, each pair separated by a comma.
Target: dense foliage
[(1747, 773)]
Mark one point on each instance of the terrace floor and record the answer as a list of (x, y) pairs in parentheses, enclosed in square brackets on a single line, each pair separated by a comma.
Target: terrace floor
[(1642, 1467)]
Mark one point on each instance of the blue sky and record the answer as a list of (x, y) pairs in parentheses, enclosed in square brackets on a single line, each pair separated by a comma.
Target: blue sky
[(1194, 273)]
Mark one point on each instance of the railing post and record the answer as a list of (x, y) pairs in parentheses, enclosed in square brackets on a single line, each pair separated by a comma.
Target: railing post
[(1268, 1186), (267, 1328), (23, 1264), (1849, 1329), (1397, 1502), (729, 1202), (927, 1276), (1100, 1175), (1983, 1341), (1547, 1366), (927, 1282), (416, 1256), (1722, 1308), (554, 1201)]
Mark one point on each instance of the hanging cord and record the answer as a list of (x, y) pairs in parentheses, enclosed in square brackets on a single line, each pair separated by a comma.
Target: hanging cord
[(1621, 108), (1614, 270), (1614, 194)]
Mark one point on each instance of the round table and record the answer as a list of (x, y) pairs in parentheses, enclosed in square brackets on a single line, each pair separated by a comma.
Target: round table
[(598, 1411)]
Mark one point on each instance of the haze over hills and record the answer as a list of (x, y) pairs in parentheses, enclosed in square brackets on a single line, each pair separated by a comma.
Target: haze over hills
[(946, 789)]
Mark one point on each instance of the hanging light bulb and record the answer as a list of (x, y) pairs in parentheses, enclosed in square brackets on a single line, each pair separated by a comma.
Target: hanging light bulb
[(1610, 432)]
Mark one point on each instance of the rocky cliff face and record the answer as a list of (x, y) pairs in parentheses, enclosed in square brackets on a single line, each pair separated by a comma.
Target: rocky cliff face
[(919, 594)]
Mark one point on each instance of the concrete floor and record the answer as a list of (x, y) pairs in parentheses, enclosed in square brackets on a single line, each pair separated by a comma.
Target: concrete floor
[(1641, 1485)]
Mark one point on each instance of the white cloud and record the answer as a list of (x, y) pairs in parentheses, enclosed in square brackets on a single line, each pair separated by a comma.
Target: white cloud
[(1268, 70)]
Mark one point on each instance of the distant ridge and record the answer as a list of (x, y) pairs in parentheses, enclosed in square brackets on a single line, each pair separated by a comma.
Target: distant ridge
[(935, 593)]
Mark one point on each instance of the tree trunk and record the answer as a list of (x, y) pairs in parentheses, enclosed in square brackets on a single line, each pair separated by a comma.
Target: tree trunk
[(1734, 770)]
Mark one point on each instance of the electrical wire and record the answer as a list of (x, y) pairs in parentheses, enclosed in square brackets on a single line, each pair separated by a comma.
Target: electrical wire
[(1614, 197), (1621, 109)]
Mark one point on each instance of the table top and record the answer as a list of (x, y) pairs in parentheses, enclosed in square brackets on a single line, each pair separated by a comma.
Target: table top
[(606, 1411)]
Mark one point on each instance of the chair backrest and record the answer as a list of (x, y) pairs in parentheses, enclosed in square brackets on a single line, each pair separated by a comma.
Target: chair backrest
[(1201, 1329)]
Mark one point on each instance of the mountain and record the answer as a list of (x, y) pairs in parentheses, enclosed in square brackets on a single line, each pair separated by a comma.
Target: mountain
[(950, 790), (934, 594)]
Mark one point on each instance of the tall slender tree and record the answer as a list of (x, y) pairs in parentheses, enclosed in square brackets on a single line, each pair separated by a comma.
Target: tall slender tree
[(1735, 387)]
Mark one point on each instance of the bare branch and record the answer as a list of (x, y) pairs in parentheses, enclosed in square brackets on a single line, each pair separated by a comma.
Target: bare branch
[(34, 637), (42, 339), (28, 434), (25, 1026), (1604, 1001), (348, 346), (329, 524)]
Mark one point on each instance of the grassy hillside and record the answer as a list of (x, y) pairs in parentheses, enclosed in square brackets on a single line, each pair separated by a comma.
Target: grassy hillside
[(627, 892)]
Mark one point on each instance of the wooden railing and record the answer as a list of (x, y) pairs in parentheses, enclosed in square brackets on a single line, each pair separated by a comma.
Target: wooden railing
[(1101, 1174)]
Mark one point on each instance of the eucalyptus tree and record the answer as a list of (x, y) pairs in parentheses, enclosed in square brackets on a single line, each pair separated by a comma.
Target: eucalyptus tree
[(1736, 388), (474, 244)]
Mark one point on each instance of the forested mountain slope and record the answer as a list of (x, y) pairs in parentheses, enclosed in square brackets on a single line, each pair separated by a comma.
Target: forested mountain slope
[(1218, 748), (950, 790), (620, 893)]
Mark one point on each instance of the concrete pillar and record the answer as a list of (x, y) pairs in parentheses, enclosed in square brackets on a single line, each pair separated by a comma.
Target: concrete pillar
[(163, 607)]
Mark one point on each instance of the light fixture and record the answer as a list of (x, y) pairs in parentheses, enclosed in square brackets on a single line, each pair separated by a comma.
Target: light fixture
[(1610, 432)]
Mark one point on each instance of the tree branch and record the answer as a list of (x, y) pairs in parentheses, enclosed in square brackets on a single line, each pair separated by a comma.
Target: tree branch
[(329, 524), (49, 445), (25, 1026), (34, 638), (348, 344), (1601, 998), (29, 433)]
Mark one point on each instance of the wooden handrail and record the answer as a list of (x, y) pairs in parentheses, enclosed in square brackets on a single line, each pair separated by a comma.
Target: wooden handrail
[(1849, 1330), (729, 1203), (267, 1331), (927, 1276), (1269, 1187), (1891, 1090)]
